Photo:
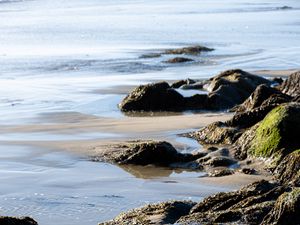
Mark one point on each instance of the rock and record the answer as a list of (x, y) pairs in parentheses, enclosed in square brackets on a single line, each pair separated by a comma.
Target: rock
[(247, 170), (288, 171), (194, 50), (278, 132), (161, 213), (179, 60), (296, 99), (286, 209), (150, 55), (195, 86), (259, 96), (180, 83), (220, 161), (291, 86), (153, 97), (197, 101), (216, 133), (220, 173), (159, 153), (5, 220), (275, 136), (225, 200), (277, 80)]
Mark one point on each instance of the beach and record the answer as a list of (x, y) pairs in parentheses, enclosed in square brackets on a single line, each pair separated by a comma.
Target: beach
[(65, 67)]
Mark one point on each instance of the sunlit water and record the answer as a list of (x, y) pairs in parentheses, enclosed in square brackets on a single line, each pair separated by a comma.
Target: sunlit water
[(56, 54)]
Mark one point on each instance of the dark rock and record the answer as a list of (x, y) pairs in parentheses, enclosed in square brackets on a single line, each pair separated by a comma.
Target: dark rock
[(194, 50), (291, 86), (225, 200), (277, 80), (220, 173), (179, 83), (259, 96), (198, 101), (220, 161), (248, 171), (5, 220), (159, 153), (179, 60), (194, 86), (296, 99), (286, 209), (153, 97), (150, 55), (161, 213), (212, 148), (216, 133), (288, 171)]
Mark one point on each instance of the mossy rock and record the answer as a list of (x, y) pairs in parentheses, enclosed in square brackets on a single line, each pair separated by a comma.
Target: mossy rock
[(278, 133)]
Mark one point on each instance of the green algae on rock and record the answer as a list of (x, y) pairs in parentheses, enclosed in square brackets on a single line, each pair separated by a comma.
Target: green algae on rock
[(278, 133)]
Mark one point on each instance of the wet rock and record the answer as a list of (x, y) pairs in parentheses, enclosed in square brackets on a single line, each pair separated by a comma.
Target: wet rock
[(216, 133), (286, 209), (5, 220), (291, 86), (193, 50), (277, 81), (179, 60), (198, 101), (288, 171), (180, 83), (296, 99), (153, 97), (159, 153), (162, 213), (220, 173)]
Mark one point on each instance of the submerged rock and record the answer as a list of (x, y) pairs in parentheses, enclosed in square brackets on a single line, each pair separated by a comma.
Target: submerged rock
[(179, 60), (5, 220), (153, 97), (193, 50), (161, 213), (291, 86)]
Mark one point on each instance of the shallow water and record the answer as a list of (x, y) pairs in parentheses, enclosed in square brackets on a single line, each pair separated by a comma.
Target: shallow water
[(61, 56)]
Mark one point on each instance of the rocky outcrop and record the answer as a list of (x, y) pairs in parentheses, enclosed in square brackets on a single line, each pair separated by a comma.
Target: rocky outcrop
[(5, 220), (225, 91), (161, 213), (291, 86), (179, 83)]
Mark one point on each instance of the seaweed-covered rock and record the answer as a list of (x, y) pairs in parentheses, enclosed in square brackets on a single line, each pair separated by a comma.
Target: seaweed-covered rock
[(291, 85), (288, 171), (159, 153), (179, 60), (193, 50), (216, 133), (286, 209), (278, 132), (162, 213), (5, 220), (153, 97)]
